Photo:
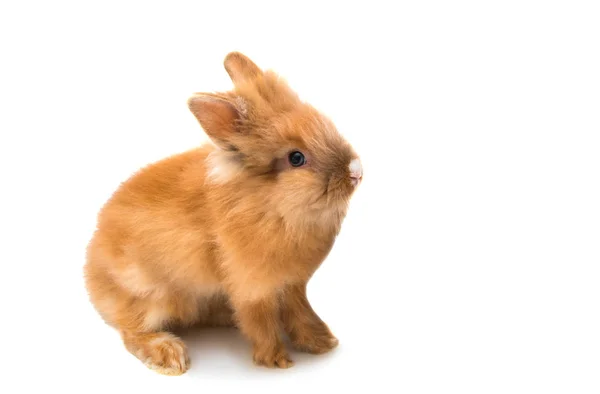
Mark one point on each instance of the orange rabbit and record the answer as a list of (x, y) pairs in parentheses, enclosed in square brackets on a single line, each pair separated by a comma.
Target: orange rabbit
[(229, 233)]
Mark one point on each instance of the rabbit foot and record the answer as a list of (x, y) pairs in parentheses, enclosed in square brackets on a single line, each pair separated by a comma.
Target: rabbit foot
[(315, 343), (161, 352), (273, 359)]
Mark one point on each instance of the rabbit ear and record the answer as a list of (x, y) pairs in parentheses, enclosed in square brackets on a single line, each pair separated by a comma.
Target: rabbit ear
[(217, 116), (240, 68)]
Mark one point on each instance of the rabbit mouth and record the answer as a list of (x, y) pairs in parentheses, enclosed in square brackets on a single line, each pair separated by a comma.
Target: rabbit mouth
[(335, 193)]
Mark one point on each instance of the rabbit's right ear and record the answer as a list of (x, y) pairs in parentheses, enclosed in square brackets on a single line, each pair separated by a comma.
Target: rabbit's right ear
[(240, 68), (217, 116)]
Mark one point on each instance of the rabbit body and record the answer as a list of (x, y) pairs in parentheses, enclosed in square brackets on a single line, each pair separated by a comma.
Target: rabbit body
[(227, 234)]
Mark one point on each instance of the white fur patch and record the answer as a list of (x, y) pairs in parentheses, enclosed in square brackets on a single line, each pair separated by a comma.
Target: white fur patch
[(222, 166)]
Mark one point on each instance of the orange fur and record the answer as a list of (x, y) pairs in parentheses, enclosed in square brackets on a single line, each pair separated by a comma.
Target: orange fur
[(228, 233)]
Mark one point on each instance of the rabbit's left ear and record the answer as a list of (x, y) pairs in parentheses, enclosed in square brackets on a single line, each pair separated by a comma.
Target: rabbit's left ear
[(240, 68), (217, 116)]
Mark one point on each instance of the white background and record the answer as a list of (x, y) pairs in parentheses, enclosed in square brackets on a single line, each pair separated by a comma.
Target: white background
[(469, 261)]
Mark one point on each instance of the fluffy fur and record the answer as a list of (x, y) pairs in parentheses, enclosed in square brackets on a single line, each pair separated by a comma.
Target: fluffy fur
[(229, 233)]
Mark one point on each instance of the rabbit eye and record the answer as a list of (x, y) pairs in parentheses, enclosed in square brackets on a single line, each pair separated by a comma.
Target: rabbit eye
[(296, 159)]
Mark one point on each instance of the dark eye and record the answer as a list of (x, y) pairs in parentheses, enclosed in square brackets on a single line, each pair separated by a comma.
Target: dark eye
[(297, 159)]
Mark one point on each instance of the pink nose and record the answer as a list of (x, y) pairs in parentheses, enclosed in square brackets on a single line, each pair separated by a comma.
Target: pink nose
[(356, 172)]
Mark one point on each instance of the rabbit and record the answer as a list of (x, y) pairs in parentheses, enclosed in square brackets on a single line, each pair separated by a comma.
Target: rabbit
[(228, 233)]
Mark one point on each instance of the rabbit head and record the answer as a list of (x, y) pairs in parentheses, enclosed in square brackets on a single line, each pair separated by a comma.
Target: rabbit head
[(272, 143)]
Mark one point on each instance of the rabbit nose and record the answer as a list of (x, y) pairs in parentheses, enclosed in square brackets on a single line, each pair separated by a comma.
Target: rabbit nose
[(356, 171)]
